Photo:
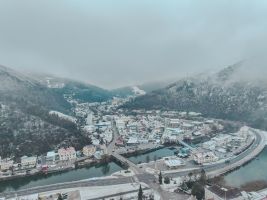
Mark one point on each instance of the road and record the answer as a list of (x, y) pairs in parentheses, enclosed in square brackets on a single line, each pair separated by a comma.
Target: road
[(112, 145), (59, 186)]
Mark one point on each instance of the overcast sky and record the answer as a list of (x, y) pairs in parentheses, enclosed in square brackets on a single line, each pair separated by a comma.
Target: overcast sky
[(119, 42)]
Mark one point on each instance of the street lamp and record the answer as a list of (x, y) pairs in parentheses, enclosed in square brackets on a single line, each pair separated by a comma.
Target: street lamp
[(225, 190)]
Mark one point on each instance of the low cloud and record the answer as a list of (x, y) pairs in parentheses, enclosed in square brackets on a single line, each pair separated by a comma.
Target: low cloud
[(121, 43)]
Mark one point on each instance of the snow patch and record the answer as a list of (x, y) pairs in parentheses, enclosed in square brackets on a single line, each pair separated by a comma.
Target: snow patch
[(138, 91), (63, 116)]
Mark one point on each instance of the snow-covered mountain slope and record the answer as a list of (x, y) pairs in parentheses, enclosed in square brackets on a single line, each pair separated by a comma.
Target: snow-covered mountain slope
[(26, 127), (145, 88), (79, 91), (12, 80), (21, 89)]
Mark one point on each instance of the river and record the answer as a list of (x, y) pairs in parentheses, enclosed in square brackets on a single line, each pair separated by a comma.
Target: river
[(253, 171), (153, 155), (73, 175), (79, 174)]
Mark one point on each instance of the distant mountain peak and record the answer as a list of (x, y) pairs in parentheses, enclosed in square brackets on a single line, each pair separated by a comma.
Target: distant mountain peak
[(11, 77), (226, 73)]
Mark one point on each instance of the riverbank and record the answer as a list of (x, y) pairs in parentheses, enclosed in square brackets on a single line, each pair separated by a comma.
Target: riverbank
[(87, 172), (254, 150), (106, 165), (255, 175), (78, 164), (250, 176)]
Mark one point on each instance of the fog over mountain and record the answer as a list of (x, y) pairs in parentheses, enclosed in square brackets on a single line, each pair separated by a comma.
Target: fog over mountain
[(108, 44), (253, 70)]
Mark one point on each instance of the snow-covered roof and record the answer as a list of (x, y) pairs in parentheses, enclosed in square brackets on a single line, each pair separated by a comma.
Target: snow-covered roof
[(51, 154), (132, 140), (174, 163)]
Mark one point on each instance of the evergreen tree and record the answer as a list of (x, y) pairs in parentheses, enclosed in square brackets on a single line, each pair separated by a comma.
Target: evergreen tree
[(198, 191), (140, 193), (203, 178), (59, 197), (167, 180), (160, 178), (190, 176), (147, 159)]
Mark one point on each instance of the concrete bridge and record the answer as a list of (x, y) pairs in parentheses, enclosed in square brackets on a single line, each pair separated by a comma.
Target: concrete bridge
[(127, 163), (180, 141)]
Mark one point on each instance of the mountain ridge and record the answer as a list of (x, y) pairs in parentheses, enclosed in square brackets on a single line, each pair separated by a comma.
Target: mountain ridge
[(216, 96)]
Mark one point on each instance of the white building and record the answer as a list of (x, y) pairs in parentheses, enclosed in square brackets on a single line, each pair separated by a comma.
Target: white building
[(67, 154), (174, 123), (205, 157), (210, 145), (6, 164), (51, 156), (89, 128), (171, 135), (197, 133), (89, 119), (242, 135), (89, 150), (143, 141), (174, 163), (187, 126), (28, 162), (132, 141), (120, 124), (222, 140)]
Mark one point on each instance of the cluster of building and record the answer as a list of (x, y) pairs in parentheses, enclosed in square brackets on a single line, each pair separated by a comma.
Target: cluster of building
[(203, 140), (24, 163), (223, 146), (155, 127), (63, 157), (191, 131), (140, 129)]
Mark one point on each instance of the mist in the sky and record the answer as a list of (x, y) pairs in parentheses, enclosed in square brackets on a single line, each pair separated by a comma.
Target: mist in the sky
[(117, 43)]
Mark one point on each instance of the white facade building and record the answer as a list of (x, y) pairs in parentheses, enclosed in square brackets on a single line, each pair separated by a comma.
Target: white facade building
[(174, 163), (222, 140), (28, 162), (210, 145), (89, 119), (205, 157), (67, 154), (132, 141), (51, 156), (6, 164), (120, 124), (89, 150)]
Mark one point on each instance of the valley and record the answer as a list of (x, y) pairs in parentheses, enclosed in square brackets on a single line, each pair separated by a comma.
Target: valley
[(177, 131)]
